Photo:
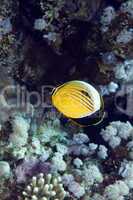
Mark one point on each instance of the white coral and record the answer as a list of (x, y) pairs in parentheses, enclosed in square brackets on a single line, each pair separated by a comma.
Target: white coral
[(130, 149), (127, 7), (61, 148), (40, 24), (102, 152), (126, 171), (125, 36), (51, 131), (5, 170), (116, 131), (5, 26), (116, 191), (108, 15), (92, 174), (58, 163), (110, 88), (20, 127), (80, 138), (76, 189), (95, 197), (77, 162), (115, 141), (44, 187), (124, 71)]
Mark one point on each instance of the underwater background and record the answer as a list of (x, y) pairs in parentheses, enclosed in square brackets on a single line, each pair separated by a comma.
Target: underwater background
[(44, 44)]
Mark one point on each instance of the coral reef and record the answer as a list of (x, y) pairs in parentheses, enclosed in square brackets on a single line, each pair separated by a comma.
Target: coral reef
[(44, 43)]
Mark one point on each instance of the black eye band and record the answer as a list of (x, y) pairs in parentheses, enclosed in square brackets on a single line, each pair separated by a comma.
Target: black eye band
[(92, 119)]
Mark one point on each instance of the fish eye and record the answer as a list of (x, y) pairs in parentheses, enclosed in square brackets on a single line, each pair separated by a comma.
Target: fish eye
[(85, 93)]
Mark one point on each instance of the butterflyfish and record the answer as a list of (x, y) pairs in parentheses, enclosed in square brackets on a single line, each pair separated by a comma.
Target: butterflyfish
[(80, 102)]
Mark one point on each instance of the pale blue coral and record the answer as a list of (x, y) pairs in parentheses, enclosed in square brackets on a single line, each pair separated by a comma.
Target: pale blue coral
[(116, 131)]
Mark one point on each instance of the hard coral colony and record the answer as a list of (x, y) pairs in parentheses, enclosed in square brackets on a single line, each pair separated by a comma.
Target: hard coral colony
[(44, 188)]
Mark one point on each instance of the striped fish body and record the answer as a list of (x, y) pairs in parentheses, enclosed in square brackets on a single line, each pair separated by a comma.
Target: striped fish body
[(79, 101)]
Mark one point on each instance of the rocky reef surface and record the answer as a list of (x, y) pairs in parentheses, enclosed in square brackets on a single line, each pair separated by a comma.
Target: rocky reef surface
[(44, 43)]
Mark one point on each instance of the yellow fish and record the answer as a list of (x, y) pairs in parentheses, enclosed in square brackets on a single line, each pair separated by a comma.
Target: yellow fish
[(80, 102)]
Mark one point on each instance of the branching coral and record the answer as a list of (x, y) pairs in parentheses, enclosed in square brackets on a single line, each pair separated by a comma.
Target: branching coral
[(44, 188)]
